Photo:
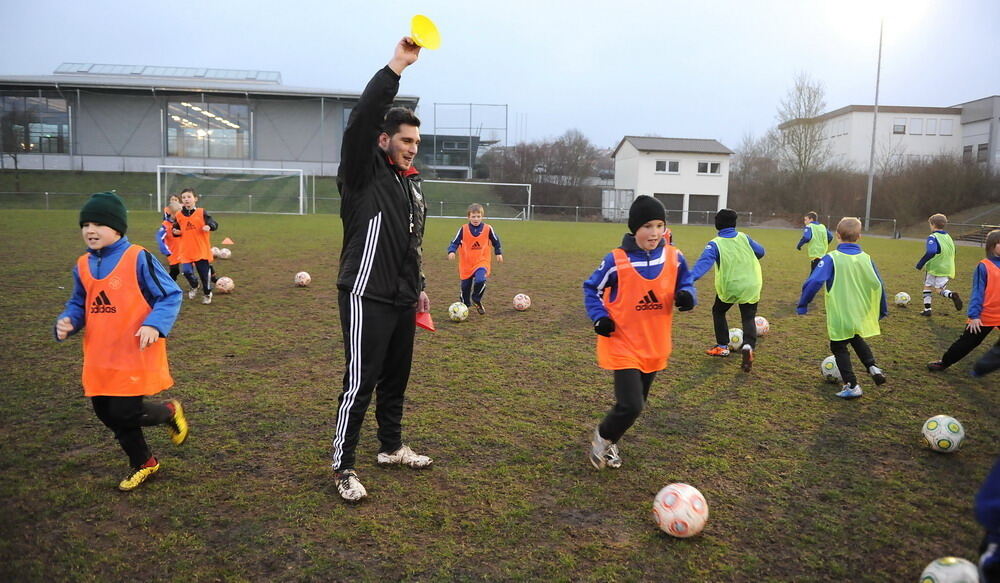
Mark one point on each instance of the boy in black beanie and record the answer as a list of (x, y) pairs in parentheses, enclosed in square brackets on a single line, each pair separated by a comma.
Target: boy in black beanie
[(736, 258), (630, 299), (128, 304)]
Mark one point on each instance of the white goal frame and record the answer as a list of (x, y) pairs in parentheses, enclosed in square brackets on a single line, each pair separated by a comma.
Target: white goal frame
[(525, 215), (161, 197)]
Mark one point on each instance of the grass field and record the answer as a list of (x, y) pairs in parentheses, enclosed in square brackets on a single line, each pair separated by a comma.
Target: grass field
[(802, 486)]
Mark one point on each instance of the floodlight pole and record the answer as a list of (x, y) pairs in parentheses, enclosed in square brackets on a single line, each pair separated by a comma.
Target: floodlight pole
[(871, 154)]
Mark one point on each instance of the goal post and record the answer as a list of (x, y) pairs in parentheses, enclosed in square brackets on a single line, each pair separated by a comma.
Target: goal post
[(235, 189), (500, 200)]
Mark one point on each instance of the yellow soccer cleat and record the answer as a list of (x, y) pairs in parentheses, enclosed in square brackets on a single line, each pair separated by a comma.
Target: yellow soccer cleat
[(177, 426), (137, 477)]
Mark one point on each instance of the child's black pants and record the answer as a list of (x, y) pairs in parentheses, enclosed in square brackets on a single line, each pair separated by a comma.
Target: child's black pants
[(126, 416), (748, 314), (839, 349), (631, 391), (965, 344)]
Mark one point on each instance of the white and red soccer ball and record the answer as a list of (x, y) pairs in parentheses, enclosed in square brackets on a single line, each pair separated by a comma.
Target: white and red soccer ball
[(225, 285), (302, 279), (763, 326), (522, 302), (680, 510), (225, 253)]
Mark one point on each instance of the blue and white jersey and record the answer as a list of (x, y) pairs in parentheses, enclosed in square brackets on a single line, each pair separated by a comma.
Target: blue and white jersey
[(604, 281)]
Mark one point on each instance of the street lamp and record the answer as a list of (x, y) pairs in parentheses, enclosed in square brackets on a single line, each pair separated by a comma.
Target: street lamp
[(871, 155)]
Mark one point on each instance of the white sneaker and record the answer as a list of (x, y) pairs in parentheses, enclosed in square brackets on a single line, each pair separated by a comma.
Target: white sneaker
[(612, 457), (349, 486), (849, 392), (404, 456), (192, 292), (599, 450), (207, 299)]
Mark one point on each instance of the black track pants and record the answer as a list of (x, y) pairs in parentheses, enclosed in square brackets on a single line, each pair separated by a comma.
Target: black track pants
[(378, 346), (748, 313), (965, 344), (126, 416), (839, 349), (631, 391)]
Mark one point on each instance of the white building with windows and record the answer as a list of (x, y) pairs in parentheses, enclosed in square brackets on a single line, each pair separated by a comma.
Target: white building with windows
[(689, 176), (906, 134)]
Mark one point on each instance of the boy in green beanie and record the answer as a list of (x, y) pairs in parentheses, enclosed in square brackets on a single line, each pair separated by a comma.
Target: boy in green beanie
[(128, 304)]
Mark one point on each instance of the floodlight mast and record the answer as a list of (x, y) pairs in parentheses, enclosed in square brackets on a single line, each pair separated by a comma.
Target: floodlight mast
[(871, 154)]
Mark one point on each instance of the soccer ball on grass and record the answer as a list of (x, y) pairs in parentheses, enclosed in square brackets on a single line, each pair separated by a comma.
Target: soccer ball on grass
[(225, 285), (763, 326), (225, 253), (458, 312), (522, 302), (901, 299), (680, 510), (943, 433), (302, 279), (735, 338), (950, 570), (828, 368)]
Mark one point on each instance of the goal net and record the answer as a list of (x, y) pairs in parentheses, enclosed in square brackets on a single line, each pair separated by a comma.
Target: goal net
[(240, 190), (500, 200)]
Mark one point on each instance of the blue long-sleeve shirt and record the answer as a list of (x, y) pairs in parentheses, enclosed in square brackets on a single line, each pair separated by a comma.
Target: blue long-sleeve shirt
[(932, 249), (649, 264), (159, 290), (978, 293), (807, 235), (710, 256), (987, 505), (476, 230), (823, 274)]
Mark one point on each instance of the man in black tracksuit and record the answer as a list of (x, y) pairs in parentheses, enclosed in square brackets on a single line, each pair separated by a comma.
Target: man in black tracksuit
[(380, 283)]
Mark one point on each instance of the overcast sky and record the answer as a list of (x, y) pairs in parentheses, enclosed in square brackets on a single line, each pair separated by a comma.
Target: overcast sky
[(611, 68)]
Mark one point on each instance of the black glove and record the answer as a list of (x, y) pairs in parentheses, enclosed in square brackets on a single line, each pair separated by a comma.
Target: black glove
[(684, 300), (604, 326)]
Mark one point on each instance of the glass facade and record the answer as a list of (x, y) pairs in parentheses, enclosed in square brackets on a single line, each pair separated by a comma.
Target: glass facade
[(34, 124), (208, 130)]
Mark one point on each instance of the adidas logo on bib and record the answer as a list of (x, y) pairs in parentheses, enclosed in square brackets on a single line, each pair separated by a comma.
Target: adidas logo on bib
[(476, 246), (649, 302), (102, 305)]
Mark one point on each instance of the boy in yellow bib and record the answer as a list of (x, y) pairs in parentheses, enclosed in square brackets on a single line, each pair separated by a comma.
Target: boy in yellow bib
[(815, 237), (630, 299), (855, 302), (939, 260), (127, 304)]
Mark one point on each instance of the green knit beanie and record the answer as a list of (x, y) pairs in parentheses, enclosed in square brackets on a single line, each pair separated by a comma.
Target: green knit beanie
[(106, 209)]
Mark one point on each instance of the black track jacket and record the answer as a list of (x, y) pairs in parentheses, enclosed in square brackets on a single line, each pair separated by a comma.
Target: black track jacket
[(383, 210)]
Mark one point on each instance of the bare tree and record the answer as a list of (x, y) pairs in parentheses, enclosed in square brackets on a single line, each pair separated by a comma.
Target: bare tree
[(804, 149), (14, 129)]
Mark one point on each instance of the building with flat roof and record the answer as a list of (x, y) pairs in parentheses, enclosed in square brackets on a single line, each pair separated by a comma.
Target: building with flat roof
[(689, 176), (128, 118), (908, 134)]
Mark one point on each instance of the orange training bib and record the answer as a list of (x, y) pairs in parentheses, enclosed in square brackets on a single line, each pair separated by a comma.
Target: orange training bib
[(643, 313), (991, 295), (474, 251), (113, 365), (195, 242), (173, 243)]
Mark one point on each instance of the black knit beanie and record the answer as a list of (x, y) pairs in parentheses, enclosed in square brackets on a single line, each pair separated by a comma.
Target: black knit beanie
[(725, 219), (644, 209), (106, 209)]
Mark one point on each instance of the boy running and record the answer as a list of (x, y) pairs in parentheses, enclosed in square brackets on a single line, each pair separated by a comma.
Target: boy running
[(472, 242), (939, 260)]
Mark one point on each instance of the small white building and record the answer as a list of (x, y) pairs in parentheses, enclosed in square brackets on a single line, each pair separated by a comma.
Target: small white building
[(689, 176)]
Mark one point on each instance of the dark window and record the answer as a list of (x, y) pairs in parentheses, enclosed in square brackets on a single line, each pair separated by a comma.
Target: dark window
[(673, 166), (34, 124), (982, 154), (661, 165), (967, 154)]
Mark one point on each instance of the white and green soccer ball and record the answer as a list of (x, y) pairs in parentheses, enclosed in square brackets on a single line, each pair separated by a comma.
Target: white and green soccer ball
[(943, 433), (735, 338), (458, 312), (901, 299), (950, 570), (828, 368)]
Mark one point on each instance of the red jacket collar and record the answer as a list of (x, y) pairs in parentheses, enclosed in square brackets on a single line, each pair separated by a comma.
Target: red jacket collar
[(404, 173)]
